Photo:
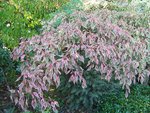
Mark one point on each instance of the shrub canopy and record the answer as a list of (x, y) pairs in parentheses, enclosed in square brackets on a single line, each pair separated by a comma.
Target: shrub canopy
[(76, 43)]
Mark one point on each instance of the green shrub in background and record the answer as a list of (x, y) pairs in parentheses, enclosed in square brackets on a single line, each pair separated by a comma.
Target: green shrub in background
[(8, 76), (22, 18), (137, 102), (7, 67)]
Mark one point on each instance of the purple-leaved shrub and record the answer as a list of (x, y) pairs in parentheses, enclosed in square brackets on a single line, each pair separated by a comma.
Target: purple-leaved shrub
[(91, 39)]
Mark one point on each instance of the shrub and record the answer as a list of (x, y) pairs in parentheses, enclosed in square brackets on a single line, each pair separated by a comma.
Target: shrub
[(81, 42), (8, 72), (141, 6), (75, 99), (134, 6), (7, 67), (20, 19)]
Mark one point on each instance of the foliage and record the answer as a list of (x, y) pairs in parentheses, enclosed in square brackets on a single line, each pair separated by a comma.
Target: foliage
[(134, 6), (141, 6), (136, 20), (82, 42), (20, 19), (8, 76), (66, 9), (75, 99), (7, 67), (39, 111), (137, 102), (71, 6)]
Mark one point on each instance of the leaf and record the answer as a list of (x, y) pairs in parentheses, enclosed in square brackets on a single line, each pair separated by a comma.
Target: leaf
[(10, 110), (129, 1)]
